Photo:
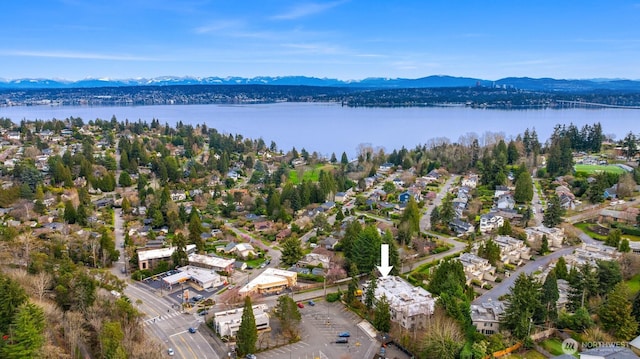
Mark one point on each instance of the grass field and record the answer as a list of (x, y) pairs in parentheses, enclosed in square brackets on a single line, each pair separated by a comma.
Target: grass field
[(634, 284), (309, 174), (596, 168), (553, 346)]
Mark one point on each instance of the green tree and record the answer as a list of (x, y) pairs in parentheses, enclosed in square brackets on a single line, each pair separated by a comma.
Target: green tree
[(382, 315), (609, 274), (523, 306), (26, 334), (69, 213), (370, 293), (490, 251), (291, 251), (125, 179), (366, 249), (553, 214), (512, 153), (394, 256), (544, 247), (524, 188), (179, 256), (289, 316), (195, 230), (12, 296), (411, 215), (561, 269), (247, 335), (344, 160), (624, 246), (616, 313), (613, 238), (111, 337), (505, 229), (550, 296)]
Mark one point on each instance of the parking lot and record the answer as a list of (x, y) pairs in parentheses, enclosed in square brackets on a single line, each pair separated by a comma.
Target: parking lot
[(319, 330)]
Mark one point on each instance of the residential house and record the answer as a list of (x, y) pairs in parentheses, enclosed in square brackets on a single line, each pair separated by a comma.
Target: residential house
[(263, 226), (409, 306), (432, 176), (591, 254), (555, 236), (329, 243), (611, 193), (512, 250), (470, 181), (177, 196), (490, 221), (385, 167), (477, 268), (233, 175), (315, 260), (461, 227), (501, 190), (505, 201), (243, 250), (628, 216), (283, 234), (486, 317)]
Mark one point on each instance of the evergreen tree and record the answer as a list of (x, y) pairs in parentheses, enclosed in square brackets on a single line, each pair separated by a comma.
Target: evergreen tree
[(69, 213), (247, 335), (512, 153), (344, 160), (287, 312), (624, 246), (291, 251), (382, 316), (524, 188), (334, 159), (366, 249), (394, 257), (490, 251), (12, 296), (553, 214), (124, 180), (544, 247), (550, 296), (351, 233), (412, 216), (613, 238), (523, 306), (616, 313), (561, 269), (370, 293), (26, 334), (195, 230), (179, 256), (609, 274)]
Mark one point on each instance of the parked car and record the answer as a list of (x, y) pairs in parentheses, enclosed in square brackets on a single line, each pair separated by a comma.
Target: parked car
[(251, 356), (312, 303), (300, 305), (204, 312), (344, 334), (192, 330), (171, 352), (342, 340), (197, 298)]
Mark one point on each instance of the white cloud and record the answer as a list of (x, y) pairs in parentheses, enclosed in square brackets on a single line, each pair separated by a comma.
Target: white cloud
[(307, 9), (74, 55)]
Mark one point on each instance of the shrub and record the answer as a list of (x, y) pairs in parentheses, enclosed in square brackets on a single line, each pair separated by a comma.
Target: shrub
[(333, 297)]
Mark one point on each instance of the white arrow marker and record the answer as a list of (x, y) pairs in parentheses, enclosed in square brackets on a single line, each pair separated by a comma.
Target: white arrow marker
[(385, 268)]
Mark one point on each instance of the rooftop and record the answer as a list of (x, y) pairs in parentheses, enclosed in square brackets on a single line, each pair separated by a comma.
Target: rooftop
[(403, 296), (161, 252)]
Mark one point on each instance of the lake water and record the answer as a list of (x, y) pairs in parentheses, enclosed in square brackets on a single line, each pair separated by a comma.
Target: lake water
[(327, 127)]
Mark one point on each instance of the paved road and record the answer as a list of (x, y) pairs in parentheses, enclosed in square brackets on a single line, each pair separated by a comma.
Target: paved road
[(502, 288), (425, 221), (161, 320)]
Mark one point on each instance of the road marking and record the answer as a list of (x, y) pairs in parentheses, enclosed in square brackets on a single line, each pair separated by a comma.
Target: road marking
[(178, 333)]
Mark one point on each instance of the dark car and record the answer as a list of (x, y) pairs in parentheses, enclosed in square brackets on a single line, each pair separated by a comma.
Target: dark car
[(342, 340), (344, 334), (204, 312), (192, 330), (312, 303)]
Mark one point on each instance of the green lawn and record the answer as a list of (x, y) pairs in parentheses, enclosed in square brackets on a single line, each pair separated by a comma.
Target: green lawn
[(309, 174), (596, 168), (553, 346), (585, 228), (531, 354), (634, 284)]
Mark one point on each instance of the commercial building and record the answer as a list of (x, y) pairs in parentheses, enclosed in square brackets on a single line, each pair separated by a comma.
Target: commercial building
[(270, 281), (149, 259), (410, 306), (204, 278), (211, 262), (227, 323)]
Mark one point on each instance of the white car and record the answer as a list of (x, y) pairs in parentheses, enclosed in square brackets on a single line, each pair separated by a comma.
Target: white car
[(171, 352)]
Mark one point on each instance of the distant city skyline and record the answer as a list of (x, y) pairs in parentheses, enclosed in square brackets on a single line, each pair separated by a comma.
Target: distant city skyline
[(346, 40)]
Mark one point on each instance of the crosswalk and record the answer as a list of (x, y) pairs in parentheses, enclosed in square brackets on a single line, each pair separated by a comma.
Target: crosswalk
[(163, 317)]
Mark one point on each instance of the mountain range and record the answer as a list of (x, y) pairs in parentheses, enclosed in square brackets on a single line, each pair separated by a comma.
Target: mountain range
[(522, 83)]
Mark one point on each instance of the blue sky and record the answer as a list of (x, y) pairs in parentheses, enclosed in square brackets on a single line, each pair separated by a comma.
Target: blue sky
[(348, 40)]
